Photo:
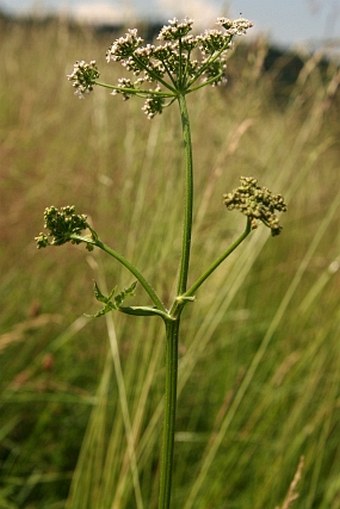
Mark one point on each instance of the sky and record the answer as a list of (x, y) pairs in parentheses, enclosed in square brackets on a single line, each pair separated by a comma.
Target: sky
[(306, 23)]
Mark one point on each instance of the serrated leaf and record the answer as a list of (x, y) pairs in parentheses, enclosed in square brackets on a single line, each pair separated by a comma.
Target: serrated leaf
[(98, 294), (120, 297), (105, 309), (111, 302)]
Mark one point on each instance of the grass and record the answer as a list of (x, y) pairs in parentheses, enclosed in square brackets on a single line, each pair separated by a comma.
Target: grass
[(81, 399)]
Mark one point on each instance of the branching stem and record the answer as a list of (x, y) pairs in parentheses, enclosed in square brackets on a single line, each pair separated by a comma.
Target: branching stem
[(217, 262), (128, 265)]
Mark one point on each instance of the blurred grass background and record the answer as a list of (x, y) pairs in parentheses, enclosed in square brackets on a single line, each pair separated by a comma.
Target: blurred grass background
[(81, 400)]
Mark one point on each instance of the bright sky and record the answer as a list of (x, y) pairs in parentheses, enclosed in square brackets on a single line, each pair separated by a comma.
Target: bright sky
[(286, 22)]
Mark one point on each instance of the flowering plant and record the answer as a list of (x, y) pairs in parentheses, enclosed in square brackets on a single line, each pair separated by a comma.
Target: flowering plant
[(178, 64)]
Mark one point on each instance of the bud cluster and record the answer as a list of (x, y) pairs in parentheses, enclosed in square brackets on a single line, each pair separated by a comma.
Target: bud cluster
[(257, 203), (179, 63), (61, 225)]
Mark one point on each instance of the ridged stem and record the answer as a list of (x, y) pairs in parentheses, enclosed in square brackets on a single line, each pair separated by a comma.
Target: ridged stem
[(189, 191), (170, 401)]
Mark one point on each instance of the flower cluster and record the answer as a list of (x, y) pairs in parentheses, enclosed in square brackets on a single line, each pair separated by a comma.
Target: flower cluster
[(179, 63), (83, 77), (61, 225), (257, 203), (176, 29)]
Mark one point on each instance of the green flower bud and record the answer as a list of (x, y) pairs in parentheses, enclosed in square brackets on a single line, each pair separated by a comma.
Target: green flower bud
[(257, 203), (61, 225)]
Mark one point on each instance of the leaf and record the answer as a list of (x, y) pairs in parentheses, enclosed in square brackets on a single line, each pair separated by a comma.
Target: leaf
[(105, 309), (142, 311), (99, 295), (111, 302), (120, 297)]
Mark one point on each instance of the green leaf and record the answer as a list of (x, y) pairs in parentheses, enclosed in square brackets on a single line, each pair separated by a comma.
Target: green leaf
[(142, 311), (120, 297), (111, 302), (99, 295), (105, 309)]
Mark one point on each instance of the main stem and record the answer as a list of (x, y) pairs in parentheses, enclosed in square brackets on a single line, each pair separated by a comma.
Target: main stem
[(189, 192), (172, 331), (172, 326)]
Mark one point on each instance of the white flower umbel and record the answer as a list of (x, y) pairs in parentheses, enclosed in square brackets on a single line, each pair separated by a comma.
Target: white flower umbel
[(179, 63)]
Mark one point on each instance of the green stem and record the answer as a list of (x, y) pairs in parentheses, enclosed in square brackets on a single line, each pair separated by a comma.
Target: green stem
[(217, 262), (147, 287), (189, 185), (136, 91), (128, 265), (208, 82), (210, 60), (172, 331), (154, 74), (172, 326)]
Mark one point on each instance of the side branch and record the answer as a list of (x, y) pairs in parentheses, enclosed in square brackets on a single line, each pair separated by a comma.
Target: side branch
[(217, 262), (128, 265)]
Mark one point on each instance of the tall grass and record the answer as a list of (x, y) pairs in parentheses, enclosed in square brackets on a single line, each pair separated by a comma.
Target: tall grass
[(81, 400)]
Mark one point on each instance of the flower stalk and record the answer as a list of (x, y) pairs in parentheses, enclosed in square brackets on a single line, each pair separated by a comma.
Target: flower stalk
[(188, 196)]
